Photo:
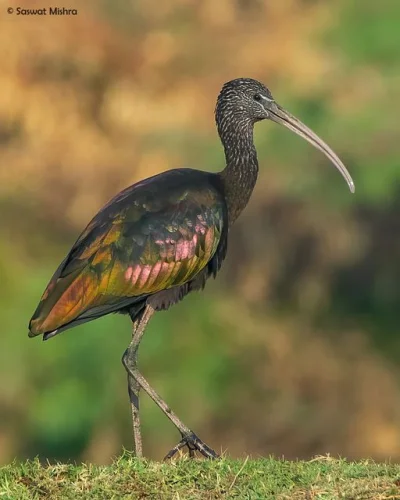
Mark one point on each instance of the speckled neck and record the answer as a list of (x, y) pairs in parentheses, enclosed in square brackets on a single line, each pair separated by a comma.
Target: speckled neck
[(240, 174)]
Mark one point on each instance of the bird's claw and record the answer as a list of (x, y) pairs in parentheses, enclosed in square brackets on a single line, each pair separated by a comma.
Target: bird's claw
[(194, 444)]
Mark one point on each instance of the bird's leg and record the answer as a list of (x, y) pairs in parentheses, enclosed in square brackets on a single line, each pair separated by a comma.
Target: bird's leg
[(189, 438), (139, 327), (133, 390)]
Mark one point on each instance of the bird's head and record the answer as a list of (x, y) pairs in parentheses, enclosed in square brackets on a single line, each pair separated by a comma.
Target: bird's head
[(244, 101)]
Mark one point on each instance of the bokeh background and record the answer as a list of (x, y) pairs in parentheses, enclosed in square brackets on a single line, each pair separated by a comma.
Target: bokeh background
[(294, 349)]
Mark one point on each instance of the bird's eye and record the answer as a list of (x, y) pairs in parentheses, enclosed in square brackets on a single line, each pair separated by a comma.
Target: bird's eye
[(257, 97)]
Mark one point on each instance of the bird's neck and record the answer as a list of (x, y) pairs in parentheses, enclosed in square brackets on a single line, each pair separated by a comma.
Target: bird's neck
[(240, 174)]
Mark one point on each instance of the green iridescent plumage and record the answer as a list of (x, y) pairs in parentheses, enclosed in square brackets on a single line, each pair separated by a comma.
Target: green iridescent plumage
[(162, 238), (155, 235)]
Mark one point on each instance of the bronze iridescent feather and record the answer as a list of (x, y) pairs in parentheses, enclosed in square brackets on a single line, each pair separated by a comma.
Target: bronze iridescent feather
[(155, 235)]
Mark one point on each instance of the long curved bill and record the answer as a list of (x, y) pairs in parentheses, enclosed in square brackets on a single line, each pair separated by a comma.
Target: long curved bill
[(279, 115)]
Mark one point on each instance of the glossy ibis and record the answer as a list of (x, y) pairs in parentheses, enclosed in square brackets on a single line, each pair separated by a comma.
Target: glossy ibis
[(162, 238)]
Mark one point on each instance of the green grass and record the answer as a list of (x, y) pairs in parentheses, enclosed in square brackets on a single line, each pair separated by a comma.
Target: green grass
[(127, 477)]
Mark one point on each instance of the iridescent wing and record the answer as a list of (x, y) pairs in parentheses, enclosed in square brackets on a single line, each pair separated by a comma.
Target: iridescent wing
[(155, 235)]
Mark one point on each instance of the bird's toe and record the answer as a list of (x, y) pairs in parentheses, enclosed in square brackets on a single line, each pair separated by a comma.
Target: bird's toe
[(193, 443)]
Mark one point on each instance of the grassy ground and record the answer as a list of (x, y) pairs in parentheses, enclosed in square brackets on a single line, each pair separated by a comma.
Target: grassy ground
[(321, 478)]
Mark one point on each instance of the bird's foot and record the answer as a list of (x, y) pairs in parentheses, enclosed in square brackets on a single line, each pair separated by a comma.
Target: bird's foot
[(194, 444)]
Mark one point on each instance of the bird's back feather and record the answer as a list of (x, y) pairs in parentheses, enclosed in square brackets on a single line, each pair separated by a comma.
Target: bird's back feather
[(155, 235)]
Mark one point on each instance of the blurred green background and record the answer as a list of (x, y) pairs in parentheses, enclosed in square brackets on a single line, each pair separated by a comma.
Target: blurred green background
[(294, 349)]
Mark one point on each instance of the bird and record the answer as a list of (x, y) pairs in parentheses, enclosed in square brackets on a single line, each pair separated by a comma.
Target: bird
[(164, 237)]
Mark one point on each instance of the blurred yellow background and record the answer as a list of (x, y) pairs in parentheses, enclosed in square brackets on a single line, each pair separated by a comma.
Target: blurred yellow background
[(294, 349)]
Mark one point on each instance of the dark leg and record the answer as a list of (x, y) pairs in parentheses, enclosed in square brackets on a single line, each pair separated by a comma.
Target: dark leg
[(189, 439), (134, 389)]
